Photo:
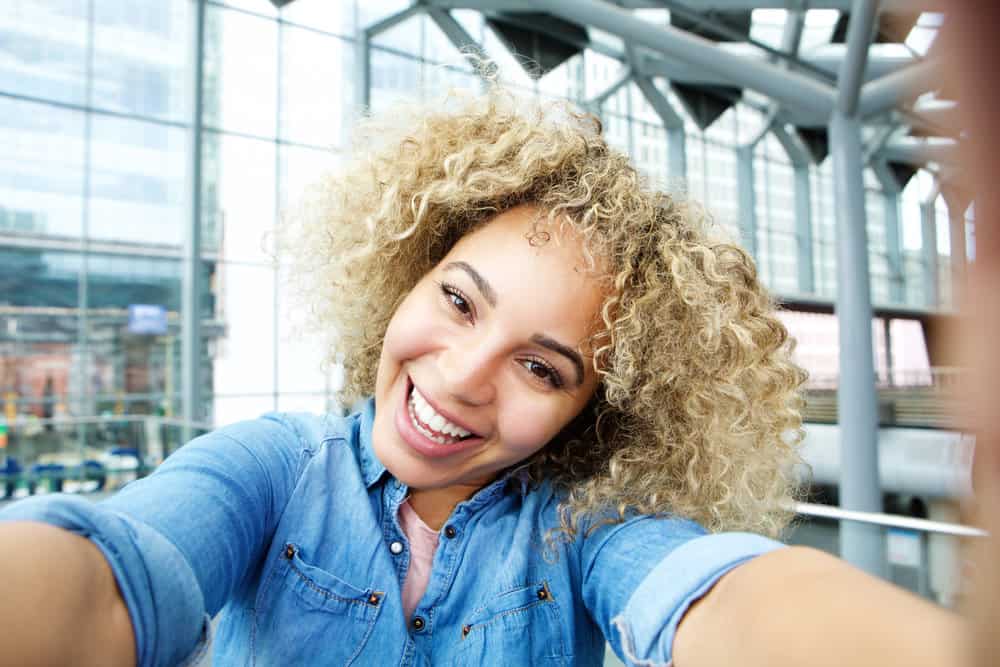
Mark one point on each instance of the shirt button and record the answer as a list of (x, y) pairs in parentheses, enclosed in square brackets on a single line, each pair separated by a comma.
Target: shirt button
[(450, 532), (396, 548), (417, 623)]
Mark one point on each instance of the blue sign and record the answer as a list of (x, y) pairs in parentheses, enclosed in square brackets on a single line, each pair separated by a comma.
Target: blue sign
[(147, 319)]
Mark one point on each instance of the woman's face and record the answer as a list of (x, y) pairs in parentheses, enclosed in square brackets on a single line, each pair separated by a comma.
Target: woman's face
[(485, 360)]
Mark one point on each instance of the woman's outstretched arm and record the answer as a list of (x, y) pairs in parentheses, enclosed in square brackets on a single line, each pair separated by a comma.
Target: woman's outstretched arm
[(800, 606), (60, 603)]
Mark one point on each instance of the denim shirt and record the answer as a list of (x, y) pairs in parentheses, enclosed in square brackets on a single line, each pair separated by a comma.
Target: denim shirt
[(288, 525)]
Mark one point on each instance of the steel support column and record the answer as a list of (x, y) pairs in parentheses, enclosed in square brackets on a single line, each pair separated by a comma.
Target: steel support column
[(894, 248), (928, 237), (857, 400), (956, 229), (893, 244), (362, 71), (748, 199), (803, 230), (192, 284)]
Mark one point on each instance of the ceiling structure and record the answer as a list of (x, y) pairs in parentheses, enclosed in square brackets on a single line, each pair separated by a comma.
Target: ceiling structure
[(780, 57)]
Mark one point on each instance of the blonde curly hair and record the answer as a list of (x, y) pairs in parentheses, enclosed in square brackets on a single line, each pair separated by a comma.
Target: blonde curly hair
[(697, 412)]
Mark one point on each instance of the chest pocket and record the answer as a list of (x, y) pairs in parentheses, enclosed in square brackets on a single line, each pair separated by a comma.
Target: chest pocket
[(523, 625), (307, 616)]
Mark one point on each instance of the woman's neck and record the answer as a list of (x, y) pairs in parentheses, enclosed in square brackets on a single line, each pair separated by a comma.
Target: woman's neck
[(434, 506)]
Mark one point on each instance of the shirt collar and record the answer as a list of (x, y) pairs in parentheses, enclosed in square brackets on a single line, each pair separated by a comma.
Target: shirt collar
[(371, 468)]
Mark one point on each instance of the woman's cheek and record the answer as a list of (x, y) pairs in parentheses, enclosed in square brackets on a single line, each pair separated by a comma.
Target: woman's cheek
[(530, 424)]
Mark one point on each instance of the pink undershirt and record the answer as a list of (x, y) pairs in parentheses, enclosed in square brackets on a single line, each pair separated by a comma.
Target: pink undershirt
[(423, 542)]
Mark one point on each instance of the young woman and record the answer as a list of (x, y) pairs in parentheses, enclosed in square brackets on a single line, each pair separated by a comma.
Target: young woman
[(582, 427)]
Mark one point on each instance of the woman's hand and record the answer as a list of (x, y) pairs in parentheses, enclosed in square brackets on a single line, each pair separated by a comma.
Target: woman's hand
[(800, 606)]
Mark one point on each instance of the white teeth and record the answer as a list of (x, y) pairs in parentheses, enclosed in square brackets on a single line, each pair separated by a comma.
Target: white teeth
[(426, 414)]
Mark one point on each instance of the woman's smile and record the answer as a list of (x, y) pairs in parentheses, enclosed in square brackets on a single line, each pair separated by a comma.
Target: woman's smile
[(428, 431)]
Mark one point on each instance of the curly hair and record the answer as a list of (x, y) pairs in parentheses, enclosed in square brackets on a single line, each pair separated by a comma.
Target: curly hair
[(698, 408)]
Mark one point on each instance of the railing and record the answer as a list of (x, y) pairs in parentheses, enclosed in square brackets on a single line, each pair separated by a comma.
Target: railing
[(922, 398)]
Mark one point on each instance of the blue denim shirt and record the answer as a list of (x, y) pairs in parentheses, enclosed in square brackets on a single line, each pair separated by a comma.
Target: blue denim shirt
[(286, 524)]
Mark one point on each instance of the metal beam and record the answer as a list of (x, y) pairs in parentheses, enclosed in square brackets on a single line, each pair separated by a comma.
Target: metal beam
[(827, 58), (392, 20), (192, 409), (672, 122), (938, 118), (786, 87), (462, 40), (921, 151), (598, 100), (898, 87), (857, 401), (701, 5), (852, 68), (797, 152)]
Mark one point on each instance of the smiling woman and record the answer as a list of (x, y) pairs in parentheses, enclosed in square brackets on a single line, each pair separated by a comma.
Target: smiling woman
[(574, 399)]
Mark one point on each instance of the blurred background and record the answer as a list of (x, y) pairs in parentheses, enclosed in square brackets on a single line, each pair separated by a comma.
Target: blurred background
[(147, 147)]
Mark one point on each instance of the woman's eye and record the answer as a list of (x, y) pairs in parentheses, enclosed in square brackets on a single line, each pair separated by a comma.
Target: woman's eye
[(543, 372), (458, 301), (461, 305)]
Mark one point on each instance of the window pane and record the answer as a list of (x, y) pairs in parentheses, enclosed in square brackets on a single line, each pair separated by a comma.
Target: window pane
[(301, 168), (41, 170), (141, 52), (241, 72), (43, 49), (317, 87), (138, 182), (238, 196), (244, 359), (337, 17)]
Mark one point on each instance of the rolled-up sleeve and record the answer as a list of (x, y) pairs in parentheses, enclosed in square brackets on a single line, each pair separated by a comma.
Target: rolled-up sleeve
[(181, 540), (641, 576)]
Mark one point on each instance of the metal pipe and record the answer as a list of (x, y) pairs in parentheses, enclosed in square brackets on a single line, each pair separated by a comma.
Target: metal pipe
[(789, 88), (857, 400), (852, 67), (890, 90), (889, 520), (192, 284)]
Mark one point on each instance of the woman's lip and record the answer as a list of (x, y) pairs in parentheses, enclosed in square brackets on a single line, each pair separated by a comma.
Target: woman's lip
[(421, 443), (450, 417)]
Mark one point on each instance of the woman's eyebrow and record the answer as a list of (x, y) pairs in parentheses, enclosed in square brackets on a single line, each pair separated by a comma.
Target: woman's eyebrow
[(564, 350), (481, 283)]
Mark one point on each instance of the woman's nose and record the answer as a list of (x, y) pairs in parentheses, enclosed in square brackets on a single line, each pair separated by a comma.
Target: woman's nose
[(469, 375)]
